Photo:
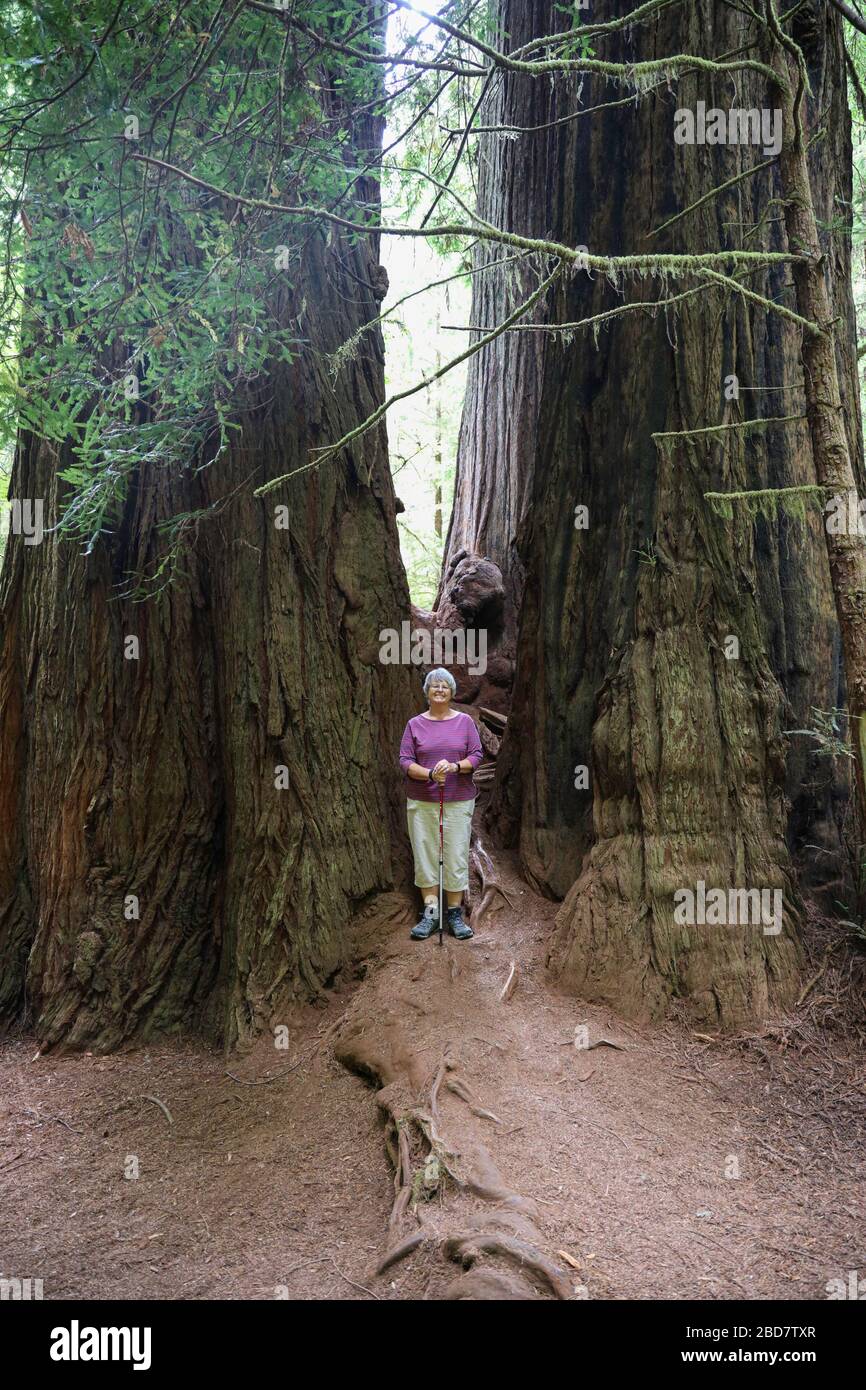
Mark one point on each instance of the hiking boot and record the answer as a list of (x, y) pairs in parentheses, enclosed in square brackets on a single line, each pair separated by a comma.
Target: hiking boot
[(428, 923), (457, 926)]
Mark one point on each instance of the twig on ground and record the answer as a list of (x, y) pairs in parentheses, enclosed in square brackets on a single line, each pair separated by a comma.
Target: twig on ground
[(284, 1071), (362, 1287), (155, 1100), (510, 984), (815, 978), (595, 1125)]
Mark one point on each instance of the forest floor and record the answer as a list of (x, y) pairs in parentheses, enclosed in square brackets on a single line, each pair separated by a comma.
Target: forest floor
[(601, 1172)]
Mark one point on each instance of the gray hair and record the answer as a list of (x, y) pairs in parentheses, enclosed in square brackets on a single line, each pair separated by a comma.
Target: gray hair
[(440, 674)]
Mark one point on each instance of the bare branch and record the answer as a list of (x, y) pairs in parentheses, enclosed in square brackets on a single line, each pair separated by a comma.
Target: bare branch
[(593, 321), (365, 54), (729, 183), (333, 449), (850, 14), (765, 303), (622, 71)]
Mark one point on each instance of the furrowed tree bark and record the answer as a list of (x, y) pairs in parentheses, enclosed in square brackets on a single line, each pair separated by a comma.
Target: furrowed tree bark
[(299, 678), (237, 785), (518, 191), (622, 664), (834, 468), (115, 790)]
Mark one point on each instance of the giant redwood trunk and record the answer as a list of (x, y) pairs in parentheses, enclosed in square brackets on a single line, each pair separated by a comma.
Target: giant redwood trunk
[(624, 663), (517, 191), (298, 670), (186, 835), (834, 465)]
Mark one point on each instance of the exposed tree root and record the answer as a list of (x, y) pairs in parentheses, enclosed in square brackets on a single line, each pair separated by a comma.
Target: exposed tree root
[(430, 1159), (446, 1157), (484, 1283), (466, 1249), (485, 1182), (511, 1236), (460, 1089), (490, 883), (400, 1251), (435, 1091)]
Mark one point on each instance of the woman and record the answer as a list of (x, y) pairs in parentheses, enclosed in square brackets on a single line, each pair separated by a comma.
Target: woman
[(440, 747)]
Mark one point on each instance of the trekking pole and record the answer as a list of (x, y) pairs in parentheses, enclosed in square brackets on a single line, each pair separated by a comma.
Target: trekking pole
[(441, 843)]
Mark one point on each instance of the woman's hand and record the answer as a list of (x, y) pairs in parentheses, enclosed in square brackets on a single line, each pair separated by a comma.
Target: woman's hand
[(441, 770)]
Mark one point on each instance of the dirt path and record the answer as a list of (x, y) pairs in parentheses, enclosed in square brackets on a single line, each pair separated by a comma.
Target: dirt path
[(621, 1157)]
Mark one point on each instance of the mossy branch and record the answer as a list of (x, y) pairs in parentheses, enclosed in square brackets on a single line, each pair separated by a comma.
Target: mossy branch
[(806, 324), (768, 501), (667, 437), (599, 30), (635, 73), (648, 264), (595, 321)]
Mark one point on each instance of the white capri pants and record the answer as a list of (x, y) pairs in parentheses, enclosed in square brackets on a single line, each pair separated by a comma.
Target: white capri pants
[(422, 818)]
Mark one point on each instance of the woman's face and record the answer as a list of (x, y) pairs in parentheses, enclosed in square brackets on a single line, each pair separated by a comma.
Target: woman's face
[(439, 694)]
